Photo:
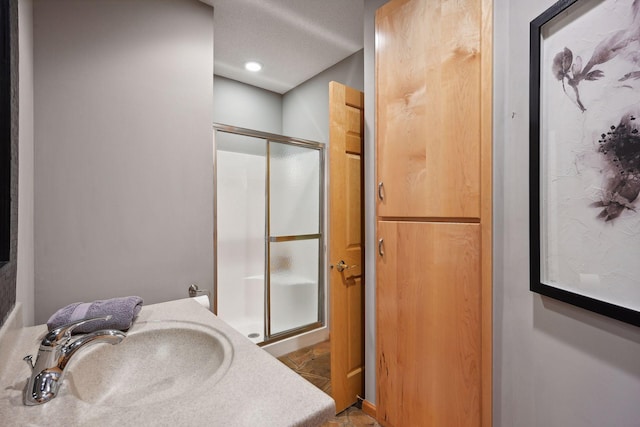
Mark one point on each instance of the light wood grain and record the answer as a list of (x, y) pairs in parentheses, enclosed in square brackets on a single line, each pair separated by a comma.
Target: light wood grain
[(346, 113), (369, 408), (428, 115), (434, 148), (486, 210), (428, 323)]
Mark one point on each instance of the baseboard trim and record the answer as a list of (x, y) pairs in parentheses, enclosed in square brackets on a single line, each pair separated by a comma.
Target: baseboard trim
[(369, 408)]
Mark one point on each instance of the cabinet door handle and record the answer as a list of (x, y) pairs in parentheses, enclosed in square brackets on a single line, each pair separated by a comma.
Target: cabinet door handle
[(380, 250), (380, 192)]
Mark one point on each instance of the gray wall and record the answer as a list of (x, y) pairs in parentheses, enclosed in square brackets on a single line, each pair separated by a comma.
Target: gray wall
[(8, 271), (303, 112), (305, 109), (123, 150), (246, 106), (554, 365), (25, 268), (370, 7)]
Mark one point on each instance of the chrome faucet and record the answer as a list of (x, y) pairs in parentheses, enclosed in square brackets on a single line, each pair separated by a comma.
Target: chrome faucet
[(56, 349)]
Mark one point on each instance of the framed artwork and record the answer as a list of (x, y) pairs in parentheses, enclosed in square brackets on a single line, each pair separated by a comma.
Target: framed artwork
[(5, 133), (584, 138)]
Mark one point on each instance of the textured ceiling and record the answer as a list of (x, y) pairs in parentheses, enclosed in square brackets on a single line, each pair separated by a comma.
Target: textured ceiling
[(293, 39)]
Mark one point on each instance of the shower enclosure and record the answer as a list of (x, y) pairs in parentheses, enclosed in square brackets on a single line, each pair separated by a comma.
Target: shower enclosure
[(269, 228)]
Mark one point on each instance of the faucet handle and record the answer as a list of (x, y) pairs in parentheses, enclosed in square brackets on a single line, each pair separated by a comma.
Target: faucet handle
[(53, 337), (29, 359)]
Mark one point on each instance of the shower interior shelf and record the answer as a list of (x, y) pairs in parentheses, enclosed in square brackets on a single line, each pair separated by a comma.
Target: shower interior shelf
[(285, 279)]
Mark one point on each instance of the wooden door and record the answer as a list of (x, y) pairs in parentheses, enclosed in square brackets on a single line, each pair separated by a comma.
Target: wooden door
[(429, 311), (428, 108), (346, 116)]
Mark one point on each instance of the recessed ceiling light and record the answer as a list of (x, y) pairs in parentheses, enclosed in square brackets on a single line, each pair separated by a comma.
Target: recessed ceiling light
[(253, 66)]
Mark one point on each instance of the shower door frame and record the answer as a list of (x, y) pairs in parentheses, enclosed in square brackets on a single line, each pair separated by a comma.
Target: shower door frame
[(268, 138)]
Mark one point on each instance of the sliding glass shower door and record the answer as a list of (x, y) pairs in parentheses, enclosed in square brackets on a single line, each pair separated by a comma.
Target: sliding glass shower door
[(269, 233), (294, 236)]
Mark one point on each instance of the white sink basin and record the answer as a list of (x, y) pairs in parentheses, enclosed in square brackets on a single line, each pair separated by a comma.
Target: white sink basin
[(159, 360), (194, 370)]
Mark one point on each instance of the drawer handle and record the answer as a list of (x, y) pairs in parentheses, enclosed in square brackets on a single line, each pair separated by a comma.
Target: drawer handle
[(380, 192), (380, 250)]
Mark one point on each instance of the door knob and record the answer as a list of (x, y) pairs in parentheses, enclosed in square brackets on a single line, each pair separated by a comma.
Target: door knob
[(342, 266)]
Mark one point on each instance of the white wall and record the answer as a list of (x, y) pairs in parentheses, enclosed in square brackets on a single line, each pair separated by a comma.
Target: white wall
[(305, 109), (554, 364), (123, 150), (25, 261), (246, 106)]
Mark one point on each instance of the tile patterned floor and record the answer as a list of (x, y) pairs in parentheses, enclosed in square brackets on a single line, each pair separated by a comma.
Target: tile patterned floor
[(314, 364), (351, 417)]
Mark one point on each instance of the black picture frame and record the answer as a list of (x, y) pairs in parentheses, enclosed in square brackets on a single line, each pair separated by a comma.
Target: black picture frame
[(5, 132), (605, 308)]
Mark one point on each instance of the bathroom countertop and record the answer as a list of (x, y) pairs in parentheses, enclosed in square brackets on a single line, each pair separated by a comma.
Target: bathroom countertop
[(256, 390)]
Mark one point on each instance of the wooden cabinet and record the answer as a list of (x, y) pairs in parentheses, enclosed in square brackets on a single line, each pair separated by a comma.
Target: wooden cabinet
[(434, 293), (429, 302), (428, 98)]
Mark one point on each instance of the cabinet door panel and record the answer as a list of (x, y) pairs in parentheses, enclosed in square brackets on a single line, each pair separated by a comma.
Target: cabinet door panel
[(428, 108), (428, 324)]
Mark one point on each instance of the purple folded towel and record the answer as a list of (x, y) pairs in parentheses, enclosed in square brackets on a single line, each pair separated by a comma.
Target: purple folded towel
[(122, 310)]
